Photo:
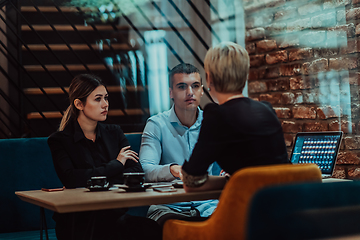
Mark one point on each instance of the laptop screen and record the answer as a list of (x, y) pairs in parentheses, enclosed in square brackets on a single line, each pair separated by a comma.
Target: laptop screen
[(320, 148)]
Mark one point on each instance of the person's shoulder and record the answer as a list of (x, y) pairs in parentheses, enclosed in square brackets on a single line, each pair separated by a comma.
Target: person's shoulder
[(159, 119), (212, 109), (266, 103), (160, 116), (58, 136)]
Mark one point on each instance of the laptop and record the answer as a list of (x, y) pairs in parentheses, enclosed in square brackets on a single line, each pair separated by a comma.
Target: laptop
[(320, 148)]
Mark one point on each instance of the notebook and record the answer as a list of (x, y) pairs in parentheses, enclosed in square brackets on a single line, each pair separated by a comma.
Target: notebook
[(320, 148)]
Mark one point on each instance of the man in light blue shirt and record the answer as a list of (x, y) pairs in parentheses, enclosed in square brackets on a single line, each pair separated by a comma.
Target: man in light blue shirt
[(169, 138)]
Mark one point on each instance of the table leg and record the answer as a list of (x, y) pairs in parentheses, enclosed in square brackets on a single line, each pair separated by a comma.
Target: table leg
[(43, 224)]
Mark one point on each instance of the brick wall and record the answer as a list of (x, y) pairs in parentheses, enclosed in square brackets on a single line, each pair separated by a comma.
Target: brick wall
[(304, 61)]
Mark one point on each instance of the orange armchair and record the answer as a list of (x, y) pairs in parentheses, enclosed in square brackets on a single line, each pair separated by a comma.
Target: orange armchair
[(229, 219)]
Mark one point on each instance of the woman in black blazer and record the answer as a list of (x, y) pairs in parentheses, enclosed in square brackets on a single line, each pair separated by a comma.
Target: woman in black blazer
[(83, 148)]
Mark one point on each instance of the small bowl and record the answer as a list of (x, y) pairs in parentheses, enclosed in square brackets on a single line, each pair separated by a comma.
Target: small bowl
[(136, 179)]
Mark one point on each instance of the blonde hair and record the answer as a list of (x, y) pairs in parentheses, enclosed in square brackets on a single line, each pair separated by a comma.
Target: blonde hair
[(80, 88), (228, 66)]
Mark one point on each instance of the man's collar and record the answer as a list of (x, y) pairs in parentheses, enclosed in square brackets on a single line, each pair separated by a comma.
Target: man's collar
[(174, 119)]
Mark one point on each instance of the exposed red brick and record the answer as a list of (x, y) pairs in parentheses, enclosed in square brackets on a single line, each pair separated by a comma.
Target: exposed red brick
[(342, 145), (314, 38), (331, 4), (345, 126), (278, 84), (274, 98), (289, 138), (316, 126), (354, 173), (275, 29), (285, 13), (290, 70), (326, 19), (273, 72), (276, 57), (250, 48), (352, 142), (257, 60), (343, 63), (321, 53), (288, 41), (334, 125), (326, 112), (303, 112), (291, 127), (309, 97), (284, 113), (299, 54), (266, 45), (351, 78), (357, 29), (274, 3), (257, 87), (355, 110), (351, 47), (319, 65), (250, 6), (305, 68), (349, 157), (309, 8), (348, 28), (339, 172), (255, 74), (352, 14), (341, 16), (259, 20), (291, 98), (298, 25), (254, 34), (300, 82)]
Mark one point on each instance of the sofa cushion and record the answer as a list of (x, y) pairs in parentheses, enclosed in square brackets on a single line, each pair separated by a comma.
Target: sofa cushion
[(26, 164)]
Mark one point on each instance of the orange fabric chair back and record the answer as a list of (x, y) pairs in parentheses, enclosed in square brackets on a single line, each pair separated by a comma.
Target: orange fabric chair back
[(229, 219)]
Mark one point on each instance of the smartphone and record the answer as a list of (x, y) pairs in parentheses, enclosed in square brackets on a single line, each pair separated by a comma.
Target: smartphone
[(52, 189), (165, 189)]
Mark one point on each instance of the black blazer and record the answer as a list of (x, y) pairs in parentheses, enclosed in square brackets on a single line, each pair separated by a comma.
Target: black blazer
[(73, 161)]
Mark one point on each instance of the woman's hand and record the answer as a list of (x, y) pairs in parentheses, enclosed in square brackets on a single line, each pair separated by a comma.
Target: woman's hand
[(125, 154)]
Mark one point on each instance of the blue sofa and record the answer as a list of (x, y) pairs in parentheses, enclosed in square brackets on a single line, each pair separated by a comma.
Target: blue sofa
[(26, 164), (306, 211)]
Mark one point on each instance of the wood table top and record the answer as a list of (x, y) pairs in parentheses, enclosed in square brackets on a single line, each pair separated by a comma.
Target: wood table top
[(81, 199)]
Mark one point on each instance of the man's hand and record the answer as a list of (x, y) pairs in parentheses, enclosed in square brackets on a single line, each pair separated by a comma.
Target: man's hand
[(175, 170)]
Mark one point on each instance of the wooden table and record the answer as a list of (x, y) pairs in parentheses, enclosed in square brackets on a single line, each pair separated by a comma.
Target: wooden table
[(81, 199)]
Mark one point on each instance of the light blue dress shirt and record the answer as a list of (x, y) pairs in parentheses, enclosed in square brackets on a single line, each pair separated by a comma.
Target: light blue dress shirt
[(165, 141)]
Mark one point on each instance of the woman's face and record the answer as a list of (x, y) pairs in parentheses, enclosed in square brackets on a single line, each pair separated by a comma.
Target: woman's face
[(97, 105)]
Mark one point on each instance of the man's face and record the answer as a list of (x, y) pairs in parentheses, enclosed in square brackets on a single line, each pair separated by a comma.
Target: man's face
[(187, 91)]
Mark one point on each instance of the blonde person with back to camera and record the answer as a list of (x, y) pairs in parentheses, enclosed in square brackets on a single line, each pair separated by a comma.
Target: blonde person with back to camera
[(237, 131)]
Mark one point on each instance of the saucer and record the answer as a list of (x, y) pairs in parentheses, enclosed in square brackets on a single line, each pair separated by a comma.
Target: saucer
[(136, 189), (98, 188)]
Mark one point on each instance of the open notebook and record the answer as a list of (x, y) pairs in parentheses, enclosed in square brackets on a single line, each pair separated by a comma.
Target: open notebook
[(320, 148)]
